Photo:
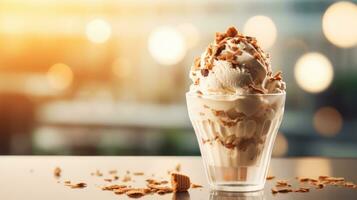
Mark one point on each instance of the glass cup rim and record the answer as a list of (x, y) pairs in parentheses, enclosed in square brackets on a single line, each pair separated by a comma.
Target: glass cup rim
[(235, 96)]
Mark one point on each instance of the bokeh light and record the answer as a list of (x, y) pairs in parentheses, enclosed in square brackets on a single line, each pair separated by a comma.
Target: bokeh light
[(281, 145), (166, 45), (313, 72), (327, 121), (122, 68), (263, 28), (191, 34), (313, 167), (339, 24), (98, 31), (60, 76)]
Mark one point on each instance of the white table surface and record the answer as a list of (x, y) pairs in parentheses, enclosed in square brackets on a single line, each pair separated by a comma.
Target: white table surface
[(31, 177)]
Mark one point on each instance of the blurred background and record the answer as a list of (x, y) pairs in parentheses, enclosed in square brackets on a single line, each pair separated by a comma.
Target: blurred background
[(108, 77)]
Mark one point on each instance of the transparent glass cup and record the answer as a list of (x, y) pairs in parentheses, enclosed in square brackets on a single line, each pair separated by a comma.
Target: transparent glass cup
[(236, 136)]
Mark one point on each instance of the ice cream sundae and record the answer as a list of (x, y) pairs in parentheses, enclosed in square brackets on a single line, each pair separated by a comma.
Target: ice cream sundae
[(236, 105)]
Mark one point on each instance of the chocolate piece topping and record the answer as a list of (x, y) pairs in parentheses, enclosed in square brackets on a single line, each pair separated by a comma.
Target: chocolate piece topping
[(204, 72)]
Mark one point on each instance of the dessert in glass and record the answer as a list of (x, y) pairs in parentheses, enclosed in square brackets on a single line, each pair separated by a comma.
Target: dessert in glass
[(236, 105)]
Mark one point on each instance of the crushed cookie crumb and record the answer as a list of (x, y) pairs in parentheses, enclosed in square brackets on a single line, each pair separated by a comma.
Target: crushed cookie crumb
[(138, 173), (270, 177)]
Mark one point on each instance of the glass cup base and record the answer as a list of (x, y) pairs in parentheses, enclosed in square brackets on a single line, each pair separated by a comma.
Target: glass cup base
[(236, 187)]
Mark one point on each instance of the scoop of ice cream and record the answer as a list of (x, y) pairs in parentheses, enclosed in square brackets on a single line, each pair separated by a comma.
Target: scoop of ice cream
[(234, 64)]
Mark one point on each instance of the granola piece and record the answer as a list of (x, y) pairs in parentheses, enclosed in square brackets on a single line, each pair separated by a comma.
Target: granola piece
[(158, 187), (178, 166), (320, 186), (193, 185), (121, 190), (282, 183), (97, 173), (136, 193), (57, 172), (231, 32), (197, 63), (255, 89), (78, 185), (274, 190), (349, 185), (138, 173), (113, 187), (155, 182), (285, 190), (323, 178), (277, 76), (270, 177), (220, 37), (180, 182), (204, 72), (303, 179), (303, 190), (335, 179), (313, 180), (126, 178)]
